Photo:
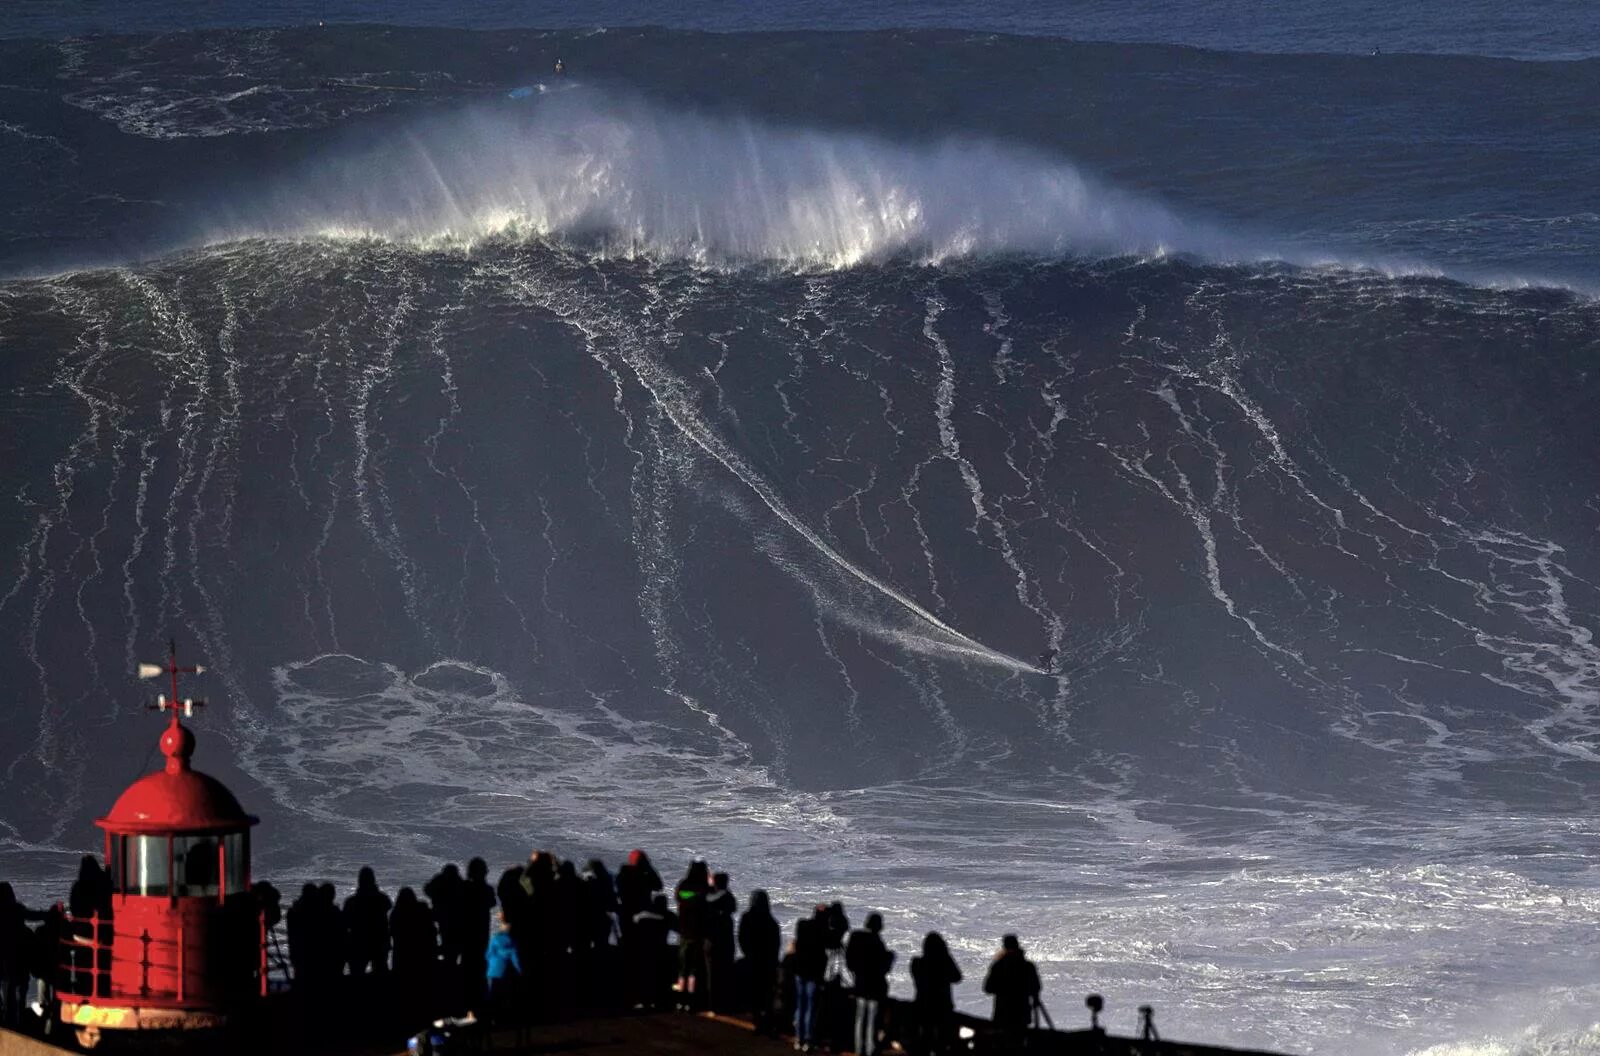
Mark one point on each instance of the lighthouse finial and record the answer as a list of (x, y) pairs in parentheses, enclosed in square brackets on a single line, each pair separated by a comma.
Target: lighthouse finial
[(173, 669)]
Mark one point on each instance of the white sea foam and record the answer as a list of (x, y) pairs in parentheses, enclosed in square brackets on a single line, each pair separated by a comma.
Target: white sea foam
[(640, 178), (1259, 942), (483, 756), (1534, 1041)]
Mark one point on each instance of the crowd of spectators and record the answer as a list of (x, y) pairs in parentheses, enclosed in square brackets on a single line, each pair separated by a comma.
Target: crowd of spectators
[(547, 941)]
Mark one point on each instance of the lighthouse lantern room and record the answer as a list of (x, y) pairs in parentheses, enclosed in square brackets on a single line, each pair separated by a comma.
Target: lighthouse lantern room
[(182, 945)]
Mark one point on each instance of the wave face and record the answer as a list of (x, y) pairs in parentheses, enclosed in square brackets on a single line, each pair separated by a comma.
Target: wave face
[(864, 502)]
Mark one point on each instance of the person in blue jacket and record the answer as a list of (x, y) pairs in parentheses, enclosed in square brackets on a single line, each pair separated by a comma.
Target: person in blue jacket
[(503, 971)]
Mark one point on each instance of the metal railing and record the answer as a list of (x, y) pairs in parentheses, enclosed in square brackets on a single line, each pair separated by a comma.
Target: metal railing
[(91, 964)]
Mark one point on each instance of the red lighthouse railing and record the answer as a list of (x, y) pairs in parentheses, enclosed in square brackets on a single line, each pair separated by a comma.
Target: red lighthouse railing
[(90, 962)]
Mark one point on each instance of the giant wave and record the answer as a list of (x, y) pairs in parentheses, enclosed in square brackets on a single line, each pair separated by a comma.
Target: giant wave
[(636, 177), (889, 507)]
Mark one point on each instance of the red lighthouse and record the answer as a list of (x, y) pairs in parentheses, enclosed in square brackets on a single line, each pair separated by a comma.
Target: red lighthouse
[(183, 944)]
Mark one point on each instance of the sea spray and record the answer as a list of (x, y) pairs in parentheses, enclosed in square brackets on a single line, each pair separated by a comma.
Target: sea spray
[(633, 176)]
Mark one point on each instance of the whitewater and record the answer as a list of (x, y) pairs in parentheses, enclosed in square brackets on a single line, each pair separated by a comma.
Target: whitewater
[(1154, 515)]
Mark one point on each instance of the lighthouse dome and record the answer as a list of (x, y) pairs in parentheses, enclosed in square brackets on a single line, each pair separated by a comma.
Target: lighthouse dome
[(185, 802), (176, 799)]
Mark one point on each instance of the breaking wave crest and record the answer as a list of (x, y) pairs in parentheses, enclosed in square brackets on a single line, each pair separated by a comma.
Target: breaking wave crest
[(635, 178)]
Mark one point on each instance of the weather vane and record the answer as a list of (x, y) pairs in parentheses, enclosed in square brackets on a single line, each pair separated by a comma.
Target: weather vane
[(163, 703)]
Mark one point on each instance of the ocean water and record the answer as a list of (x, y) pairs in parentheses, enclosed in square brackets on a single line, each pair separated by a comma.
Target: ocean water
[(706, 450)]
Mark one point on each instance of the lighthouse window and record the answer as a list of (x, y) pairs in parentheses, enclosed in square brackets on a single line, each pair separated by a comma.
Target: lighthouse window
[(235, 867), (194, 859), (144, 861)]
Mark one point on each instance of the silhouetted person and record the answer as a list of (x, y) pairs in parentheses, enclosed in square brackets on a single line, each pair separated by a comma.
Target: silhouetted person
[(539, 877), (16, 973), (91, 898), (647, 955), (333, 949), (537, 940), (366, 921), (91, 892), (721, 909), (539, 874), (598, 959), (569, 901), (759, 939), (304, 938), (597, 905), (269, 904), (197, 868), (836, 927), (503, 972), (1014, 982), (694, 932), (444, 894), (513, 899), (476, 910), (516, 910), (637, 885), (269, 900), (416, 949), (788, 985), (933, 974), (810, 965), (565, 936), (16, 956), (16, 953), (47, 942), (869, 962)]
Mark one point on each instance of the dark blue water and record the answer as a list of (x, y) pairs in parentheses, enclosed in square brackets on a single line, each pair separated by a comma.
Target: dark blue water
[(1546, 29), (713, 442)]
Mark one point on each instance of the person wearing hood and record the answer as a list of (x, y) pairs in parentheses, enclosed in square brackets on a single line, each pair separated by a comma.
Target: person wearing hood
[(475, 904), (502, 971), (366, 922), (1014, 983), (721, 910), (637, 886), (933, 974), (597, 906), (415, 939), (759, 940)]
